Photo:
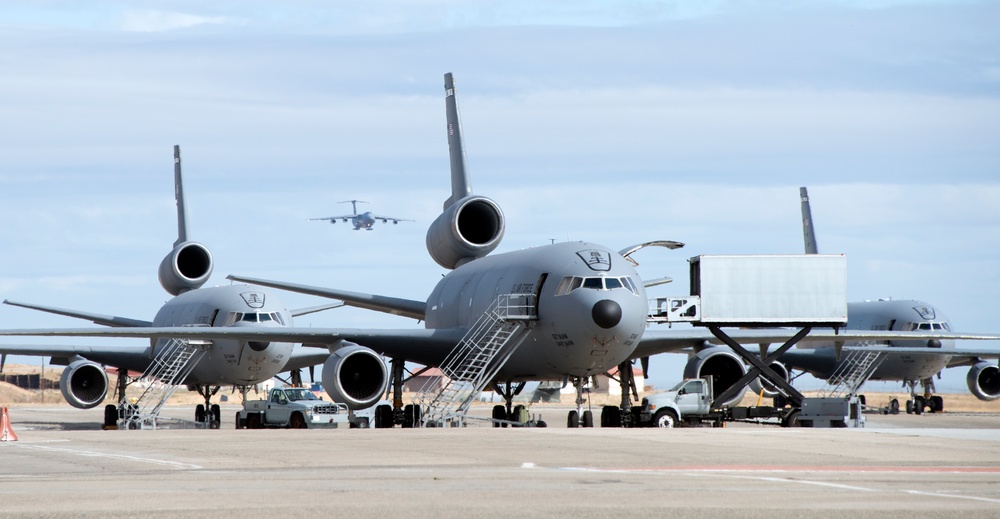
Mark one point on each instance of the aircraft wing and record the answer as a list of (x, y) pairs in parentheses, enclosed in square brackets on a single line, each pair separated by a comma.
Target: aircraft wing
[(667, 341), (418, 344), (123, 355), (377, 217), (328, 218), (104, 320), (389, 305)]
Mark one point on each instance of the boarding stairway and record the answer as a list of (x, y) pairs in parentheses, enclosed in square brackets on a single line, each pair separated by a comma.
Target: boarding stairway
[(169, 368), (476, 359), (858, 366)]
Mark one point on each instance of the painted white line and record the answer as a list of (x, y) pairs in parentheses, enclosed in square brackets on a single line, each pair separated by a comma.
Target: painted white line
[(124, 457), (953, 496)]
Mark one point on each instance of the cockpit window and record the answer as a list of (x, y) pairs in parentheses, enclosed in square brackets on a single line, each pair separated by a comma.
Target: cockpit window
[(251, 317), (571, 283), (926, 326)]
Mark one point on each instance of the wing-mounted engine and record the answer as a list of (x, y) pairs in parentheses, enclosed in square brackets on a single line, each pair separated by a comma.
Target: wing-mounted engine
[(721, 365), (469, 229), (355, 375), (187, 267), (84, 384), (984, 381), (760, 384)]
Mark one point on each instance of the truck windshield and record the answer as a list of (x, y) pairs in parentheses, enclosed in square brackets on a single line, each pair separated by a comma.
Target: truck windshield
[(300, 394)]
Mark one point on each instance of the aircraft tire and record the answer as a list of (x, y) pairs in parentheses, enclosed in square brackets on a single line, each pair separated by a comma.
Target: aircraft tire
[(499, 413), (216, 416), (909, 406), (937, 404), (573, 420), (199, 413), (588, 419), (110, 415), (918, 405), (383, 417), (611, 416)]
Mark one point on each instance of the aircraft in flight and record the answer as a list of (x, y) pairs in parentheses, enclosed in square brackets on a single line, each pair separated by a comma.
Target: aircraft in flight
[(236, 362), (911, 362), (581, 311), (364, 220)]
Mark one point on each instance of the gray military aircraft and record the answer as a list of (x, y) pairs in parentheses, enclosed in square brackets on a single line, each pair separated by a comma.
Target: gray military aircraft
[(912, 362), (364, 220), (235, 362), (588, 310)]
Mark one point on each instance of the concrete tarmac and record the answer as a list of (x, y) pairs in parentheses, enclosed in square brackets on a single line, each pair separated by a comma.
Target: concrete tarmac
[(897, 466)]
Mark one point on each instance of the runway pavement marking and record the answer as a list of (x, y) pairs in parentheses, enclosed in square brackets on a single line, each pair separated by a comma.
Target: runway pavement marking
[(91, 454), (741, 473)]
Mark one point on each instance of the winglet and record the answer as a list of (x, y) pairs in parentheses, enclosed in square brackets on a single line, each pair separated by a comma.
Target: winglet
[(179, 196), (808, 232), (460, 187)]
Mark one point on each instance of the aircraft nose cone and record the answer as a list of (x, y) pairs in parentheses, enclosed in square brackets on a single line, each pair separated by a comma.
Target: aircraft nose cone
[(607, 313)]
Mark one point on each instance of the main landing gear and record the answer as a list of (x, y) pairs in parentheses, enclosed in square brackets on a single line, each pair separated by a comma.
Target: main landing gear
[(208, 415), (917, 404)]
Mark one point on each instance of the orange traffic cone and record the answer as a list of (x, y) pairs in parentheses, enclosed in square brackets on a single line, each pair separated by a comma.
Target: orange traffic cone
[(6, 431)]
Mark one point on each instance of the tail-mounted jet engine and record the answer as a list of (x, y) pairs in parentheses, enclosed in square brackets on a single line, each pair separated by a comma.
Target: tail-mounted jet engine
[(84, 384), (187, 267), (355, 375), (468, 229), (721, 365), (984, 381), (760, 384)]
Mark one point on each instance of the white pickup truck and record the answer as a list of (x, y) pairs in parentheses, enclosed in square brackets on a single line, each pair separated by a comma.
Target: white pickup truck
[(690, 400), (294, 407)]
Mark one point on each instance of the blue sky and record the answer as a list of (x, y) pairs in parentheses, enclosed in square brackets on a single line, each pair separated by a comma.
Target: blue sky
[(611, 122)]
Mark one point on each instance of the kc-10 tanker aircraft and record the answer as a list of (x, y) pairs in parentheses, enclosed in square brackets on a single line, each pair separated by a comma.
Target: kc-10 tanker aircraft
[(588, 310), (911, 362), (227, 362)]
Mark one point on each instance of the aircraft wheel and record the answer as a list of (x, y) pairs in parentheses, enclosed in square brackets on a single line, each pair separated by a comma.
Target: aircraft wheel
[(383, 417), (665, 419), (199, 413), (216, 416), (909, 406), (918, 405), (894, 406), (408, 416), (588, 419), (573, 420), (611, 416), (937, 404), (110, 415), (297, 422), (499, 413)]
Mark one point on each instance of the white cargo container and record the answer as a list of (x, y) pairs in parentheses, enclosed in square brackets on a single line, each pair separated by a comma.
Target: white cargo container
[(770, 290)]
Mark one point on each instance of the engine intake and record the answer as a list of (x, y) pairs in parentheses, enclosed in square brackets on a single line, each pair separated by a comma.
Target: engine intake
[(469, 229), (84, 384), (355, 375), (721, 365), (187, 267), (984, 381)]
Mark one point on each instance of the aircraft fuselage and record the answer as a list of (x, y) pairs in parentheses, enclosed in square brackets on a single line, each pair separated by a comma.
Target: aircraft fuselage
[(230, 362), (591, 306)]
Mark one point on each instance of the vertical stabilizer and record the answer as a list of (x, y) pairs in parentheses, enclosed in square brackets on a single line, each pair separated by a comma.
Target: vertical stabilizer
[(179, 196), (808, 232), (460, 187)]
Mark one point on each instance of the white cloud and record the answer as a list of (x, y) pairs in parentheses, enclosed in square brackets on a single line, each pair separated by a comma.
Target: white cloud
[(134, 20)]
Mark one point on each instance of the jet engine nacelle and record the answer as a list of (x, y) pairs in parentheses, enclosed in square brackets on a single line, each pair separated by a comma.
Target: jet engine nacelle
[(760, 384), (84, 384), (187, 267), (470, 228), (355, 375), (721, 365), (984, 381)]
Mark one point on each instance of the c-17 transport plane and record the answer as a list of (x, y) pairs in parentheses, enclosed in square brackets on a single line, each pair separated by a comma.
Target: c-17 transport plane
[(579, 309), (364, 220), (911, 361), (235, 362)]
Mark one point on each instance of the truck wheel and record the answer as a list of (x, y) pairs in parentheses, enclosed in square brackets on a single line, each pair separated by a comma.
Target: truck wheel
[(665, 419), (240, 424), (297, 422), (792, 420), (253, 421)]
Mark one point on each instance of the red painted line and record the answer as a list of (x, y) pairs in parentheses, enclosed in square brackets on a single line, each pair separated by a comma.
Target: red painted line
[(809, 468)]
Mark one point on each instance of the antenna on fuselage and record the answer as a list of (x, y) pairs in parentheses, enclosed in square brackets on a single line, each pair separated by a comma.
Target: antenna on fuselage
[(808, 232), (460, 187), (179, 197)]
